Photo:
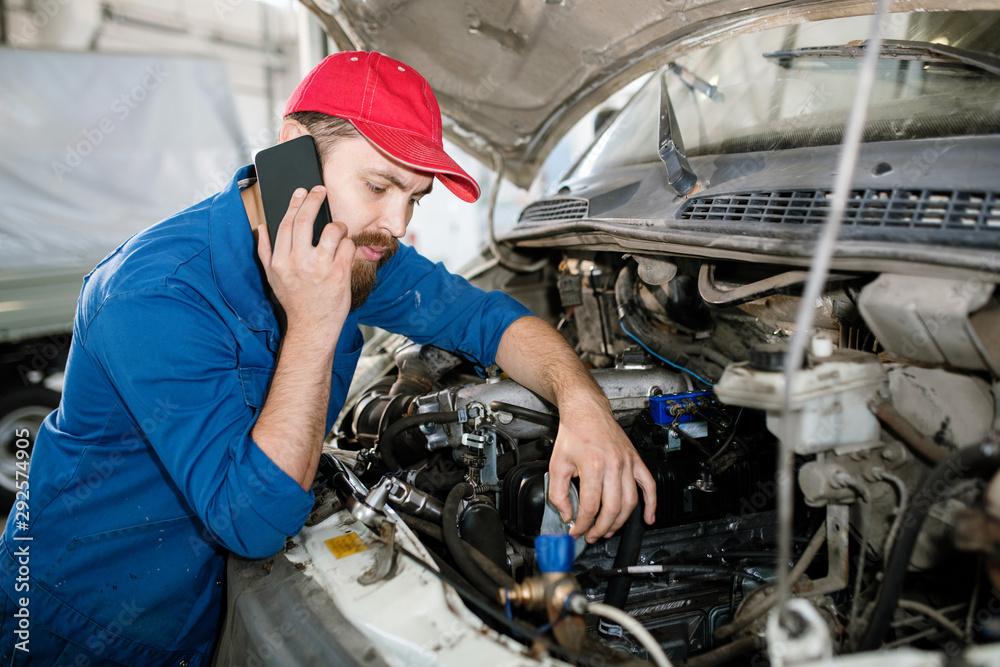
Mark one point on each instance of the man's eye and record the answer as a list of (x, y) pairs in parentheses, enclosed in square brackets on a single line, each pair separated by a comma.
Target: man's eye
[(414, 201), (374, 188)]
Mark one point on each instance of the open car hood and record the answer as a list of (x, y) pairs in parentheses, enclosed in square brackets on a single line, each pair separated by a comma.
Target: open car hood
[(513, 76)]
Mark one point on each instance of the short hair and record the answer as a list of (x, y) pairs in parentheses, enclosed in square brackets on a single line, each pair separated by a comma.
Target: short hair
[(325, 129)]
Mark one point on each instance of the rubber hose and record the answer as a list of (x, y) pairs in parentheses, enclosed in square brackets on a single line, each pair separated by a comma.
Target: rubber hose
[(985, 458), (527, 414), (386, 441), (456, 547), (432, 530), (628, 555)]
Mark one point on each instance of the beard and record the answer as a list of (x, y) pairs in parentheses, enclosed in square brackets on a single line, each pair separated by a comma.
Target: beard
[(364, 273)]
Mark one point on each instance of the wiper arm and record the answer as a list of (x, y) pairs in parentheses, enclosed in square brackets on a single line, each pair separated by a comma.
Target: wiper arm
[(695, 82), (898, 50), (680, 177)]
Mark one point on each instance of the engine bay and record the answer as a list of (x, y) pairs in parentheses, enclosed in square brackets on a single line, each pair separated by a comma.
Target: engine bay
[(893, 459)]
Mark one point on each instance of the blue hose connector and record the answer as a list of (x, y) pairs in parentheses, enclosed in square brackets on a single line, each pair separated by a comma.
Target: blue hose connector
[(555, 553)]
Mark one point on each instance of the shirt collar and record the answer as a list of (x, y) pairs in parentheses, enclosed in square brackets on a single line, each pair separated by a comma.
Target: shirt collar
[(235, 266)]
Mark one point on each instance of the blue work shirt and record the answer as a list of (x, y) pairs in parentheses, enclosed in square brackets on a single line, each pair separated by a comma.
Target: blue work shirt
[(147, 474)]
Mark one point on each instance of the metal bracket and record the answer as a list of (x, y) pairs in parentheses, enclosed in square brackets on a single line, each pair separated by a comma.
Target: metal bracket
[(383, 549)]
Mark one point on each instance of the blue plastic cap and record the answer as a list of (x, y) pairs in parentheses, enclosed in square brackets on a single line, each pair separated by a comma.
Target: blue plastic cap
[(555, 553)]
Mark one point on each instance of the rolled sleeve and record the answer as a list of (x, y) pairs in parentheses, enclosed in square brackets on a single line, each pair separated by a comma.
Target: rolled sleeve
[(428, 304), (175, 371)]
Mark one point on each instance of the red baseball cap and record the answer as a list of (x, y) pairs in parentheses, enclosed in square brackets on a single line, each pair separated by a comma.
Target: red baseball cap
[(391, 105)]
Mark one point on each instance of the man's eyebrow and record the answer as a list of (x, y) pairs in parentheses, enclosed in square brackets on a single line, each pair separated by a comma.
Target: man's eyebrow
[(391, 178)]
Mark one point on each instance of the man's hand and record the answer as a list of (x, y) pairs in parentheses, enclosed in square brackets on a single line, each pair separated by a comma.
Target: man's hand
[(590, 444), (313, 284)]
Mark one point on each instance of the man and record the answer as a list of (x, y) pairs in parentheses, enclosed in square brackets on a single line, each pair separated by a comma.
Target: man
[(190, 428)]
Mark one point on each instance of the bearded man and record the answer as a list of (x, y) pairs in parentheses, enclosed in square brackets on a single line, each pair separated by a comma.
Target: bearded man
[(191, 424)]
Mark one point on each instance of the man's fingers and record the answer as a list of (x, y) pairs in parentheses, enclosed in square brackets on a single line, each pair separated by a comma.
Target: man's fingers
[(590, 502), (648, 485), (264, 245), (331, 237), (283, 238), (305, 217), (611, 506), (630, 497), (345, 254)]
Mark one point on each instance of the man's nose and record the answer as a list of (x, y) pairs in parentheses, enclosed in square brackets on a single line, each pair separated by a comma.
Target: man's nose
[(394, 220)]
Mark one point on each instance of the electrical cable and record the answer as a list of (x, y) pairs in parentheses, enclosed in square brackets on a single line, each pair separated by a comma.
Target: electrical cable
[(729, 438), (851, 483), (616, 615), (900, 487), (507, 263), (666, 361), (934, 615), (818, 273), (669, 568)]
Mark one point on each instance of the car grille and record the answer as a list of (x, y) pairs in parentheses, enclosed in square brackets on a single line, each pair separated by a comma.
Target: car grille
[(899, 208), (564, 208)]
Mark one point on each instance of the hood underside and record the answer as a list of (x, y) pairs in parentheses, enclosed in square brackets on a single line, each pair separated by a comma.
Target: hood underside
[(513, 76)]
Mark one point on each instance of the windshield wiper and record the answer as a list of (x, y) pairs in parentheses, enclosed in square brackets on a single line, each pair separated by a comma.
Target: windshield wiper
[(898, 50), (680, 177)]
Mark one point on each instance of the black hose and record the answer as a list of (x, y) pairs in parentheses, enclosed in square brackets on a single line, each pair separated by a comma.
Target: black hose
[(628, 555), (422, 526), (386, 441), (981, 459), (456, 547), (527, 414)]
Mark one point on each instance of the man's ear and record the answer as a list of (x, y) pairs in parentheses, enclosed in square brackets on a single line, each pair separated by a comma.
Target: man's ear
[(291, 129)]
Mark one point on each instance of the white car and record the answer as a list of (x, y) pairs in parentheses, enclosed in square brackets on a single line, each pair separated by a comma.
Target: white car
[(820, 416)]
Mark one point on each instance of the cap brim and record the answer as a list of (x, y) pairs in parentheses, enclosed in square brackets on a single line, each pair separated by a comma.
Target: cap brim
[(422, 156)]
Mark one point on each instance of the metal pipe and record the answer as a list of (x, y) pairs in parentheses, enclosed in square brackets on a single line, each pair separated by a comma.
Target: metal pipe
[(818, 274), (912, 438)]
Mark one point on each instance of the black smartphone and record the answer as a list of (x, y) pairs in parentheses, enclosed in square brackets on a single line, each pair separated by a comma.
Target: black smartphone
[(280, 170)]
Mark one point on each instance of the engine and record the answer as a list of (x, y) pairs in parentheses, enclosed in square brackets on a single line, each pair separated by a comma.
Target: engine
[(892, 460)]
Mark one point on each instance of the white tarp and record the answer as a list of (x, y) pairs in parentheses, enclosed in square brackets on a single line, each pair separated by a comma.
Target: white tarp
[(95, 147)]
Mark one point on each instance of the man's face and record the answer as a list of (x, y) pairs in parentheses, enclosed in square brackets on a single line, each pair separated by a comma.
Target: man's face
[(374, 196)]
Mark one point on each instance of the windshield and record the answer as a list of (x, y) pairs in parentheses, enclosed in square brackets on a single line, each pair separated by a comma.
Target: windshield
[(763, 102)]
